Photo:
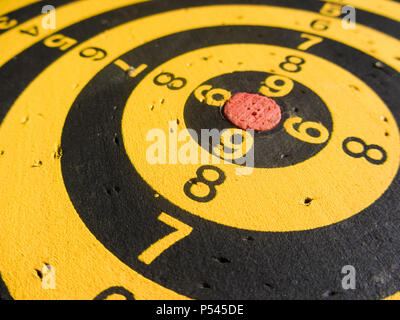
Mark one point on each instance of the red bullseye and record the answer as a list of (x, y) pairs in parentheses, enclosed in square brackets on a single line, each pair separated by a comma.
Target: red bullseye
[(253, 111)]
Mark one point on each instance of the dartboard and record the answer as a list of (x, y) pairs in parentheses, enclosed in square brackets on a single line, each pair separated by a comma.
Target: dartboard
[(108, 189)]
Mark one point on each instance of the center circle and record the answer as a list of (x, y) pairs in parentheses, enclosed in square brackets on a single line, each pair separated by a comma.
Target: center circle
[(215, 103)]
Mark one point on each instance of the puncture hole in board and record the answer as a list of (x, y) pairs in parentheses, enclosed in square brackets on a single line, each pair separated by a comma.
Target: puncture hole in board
[(329, 293), (116, 140), (307, 201), (37, 164)]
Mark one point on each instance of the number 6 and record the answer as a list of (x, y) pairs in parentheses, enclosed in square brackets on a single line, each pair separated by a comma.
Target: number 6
[(302, 134)]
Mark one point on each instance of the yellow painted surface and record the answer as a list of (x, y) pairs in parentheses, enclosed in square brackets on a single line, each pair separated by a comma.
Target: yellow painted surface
[(14, 42)]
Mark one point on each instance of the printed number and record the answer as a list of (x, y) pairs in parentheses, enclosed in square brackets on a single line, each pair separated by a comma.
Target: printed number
[(276, 86), (213, 97), (93, 52), (312, 41), (364, 152), (201, 179), (182, 231), (320, 25), (169, 80), (60, 41), (238, 142), (119, 291), (302, 134), (6, 23), (294, 61), (331, 9)]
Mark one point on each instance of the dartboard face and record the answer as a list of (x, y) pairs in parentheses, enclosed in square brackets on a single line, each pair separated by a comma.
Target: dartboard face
[(200, 149)]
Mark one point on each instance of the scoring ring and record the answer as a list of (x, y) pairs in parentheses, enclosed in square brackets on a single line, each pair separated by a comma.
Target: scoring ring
[(255, 236)]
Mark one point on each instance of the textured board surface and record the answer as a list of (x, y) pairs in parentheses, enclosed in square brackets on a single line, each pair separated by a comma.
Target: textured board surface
[(95, 202)]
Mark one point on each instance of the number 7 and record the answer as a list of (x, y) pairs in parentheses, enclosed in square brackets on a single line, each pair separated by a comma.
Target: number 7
[(182, 231), (312, 40)]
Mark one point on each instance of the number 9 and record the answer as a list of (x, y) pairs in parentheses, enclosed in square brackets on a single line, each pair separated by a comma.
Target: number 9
[(276, 86), (302, 134), (238, 141)]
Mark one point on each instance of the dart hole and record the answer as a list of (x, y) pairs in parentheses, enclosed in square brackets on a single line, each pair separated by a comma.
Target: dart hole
[(58, 153), (117, 189), (355, 147), (307, 201), (37, 164), (221, 260), (330, 293), (374, 154), (211, 175), (387, 134)]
